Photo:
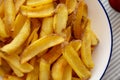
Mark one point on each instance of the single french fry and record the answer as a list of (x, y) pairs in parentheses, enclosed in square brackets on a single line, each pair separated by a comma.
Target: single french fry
[(77, 29), (44, 70), (3, 33), (47, 26), (40, 45), (61, 14), (58, 68), (75, 62), (38, 2), (2, 9), (34, 74), (86, 55), (18, 40), (76, 44), (53, 54), (71, 5), (18, 24), (39, 11), (67, 75), (18, 4), (14, 60)]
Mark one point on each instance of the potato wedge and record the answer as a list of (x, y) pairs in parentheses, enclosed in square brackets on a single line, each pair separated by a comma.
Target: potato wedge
[(44, 70), (3, 33), (47, 26), (86, 55), (39, 11), (18, 40), (71, 5), (40, 45), (38, 2), (58, 68), (75, 62), (61, 14)]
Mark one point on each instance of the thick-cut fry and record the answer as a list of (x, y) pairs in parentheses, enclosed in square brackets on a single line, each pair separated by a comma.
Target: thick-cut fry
[(18, 24), (58, 68), (2, 9), (34, 74), (75, 62), (15, 61), (39, 46), (18, 40), (47, 26), (39, 11), (86, 48), (67, 75), (38, 2), (18, 4), (9, 13), (44, 70), (71, 5), (60, 18), (3, 32), (76, 44), (53, 54), (77, 29)]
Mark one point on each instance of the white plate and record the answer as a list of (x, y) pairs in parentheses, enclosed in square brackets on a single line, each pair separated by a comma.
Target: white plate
[(101, 26)]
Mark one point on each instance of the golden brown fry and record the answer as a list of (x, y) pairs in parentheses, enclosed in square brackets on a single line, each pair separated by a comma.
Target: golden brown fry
[(3, 33), (40, 45), (86, 48), (38, 2), (67, 75), (58, 68), (44, 70), (39, 11), (18, 24), (18, 40), (47, 26), (61, 14), (75, 62), (71, 5), (53, 54)]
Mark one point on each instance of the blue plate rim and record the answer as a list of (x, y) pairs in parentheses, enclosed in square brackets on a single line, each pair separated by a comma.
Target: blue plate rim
[(111, 38)]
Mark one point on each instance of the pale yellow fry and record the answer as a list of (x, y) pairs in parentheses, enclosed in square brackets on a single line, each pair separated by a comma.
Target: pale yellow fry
[(38, 2), (39, 11), (71, 5), (2, 9), (53, 54), (60, 18), (94, 39), (34, 74), (18, 40), (75, 62), (67, 75), (3, 32), (18, 4), (9, 12), (76, 44), (44, 70), (47, 26), (40, 45), (16, 71), (86, 55), (14, 60), (58, 68), (18, 24), (10, 77)]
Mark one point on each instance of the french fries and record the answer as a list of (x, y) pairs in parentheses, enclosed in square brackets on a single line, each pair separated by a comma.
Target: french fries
[(46, 40)]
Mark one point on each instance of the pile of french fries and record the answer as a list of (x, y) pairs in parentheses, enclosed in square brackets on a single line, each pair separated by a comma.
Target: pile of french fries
[(46, 40)]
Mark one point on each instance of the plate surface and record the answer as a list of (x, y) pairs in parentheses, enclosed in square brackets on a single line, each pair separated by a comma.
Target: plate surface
[(101, 26)]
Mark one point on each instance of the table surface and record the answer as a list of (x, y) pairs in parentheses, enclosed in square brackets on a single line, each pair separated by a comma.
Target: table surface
[(113, 70)]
